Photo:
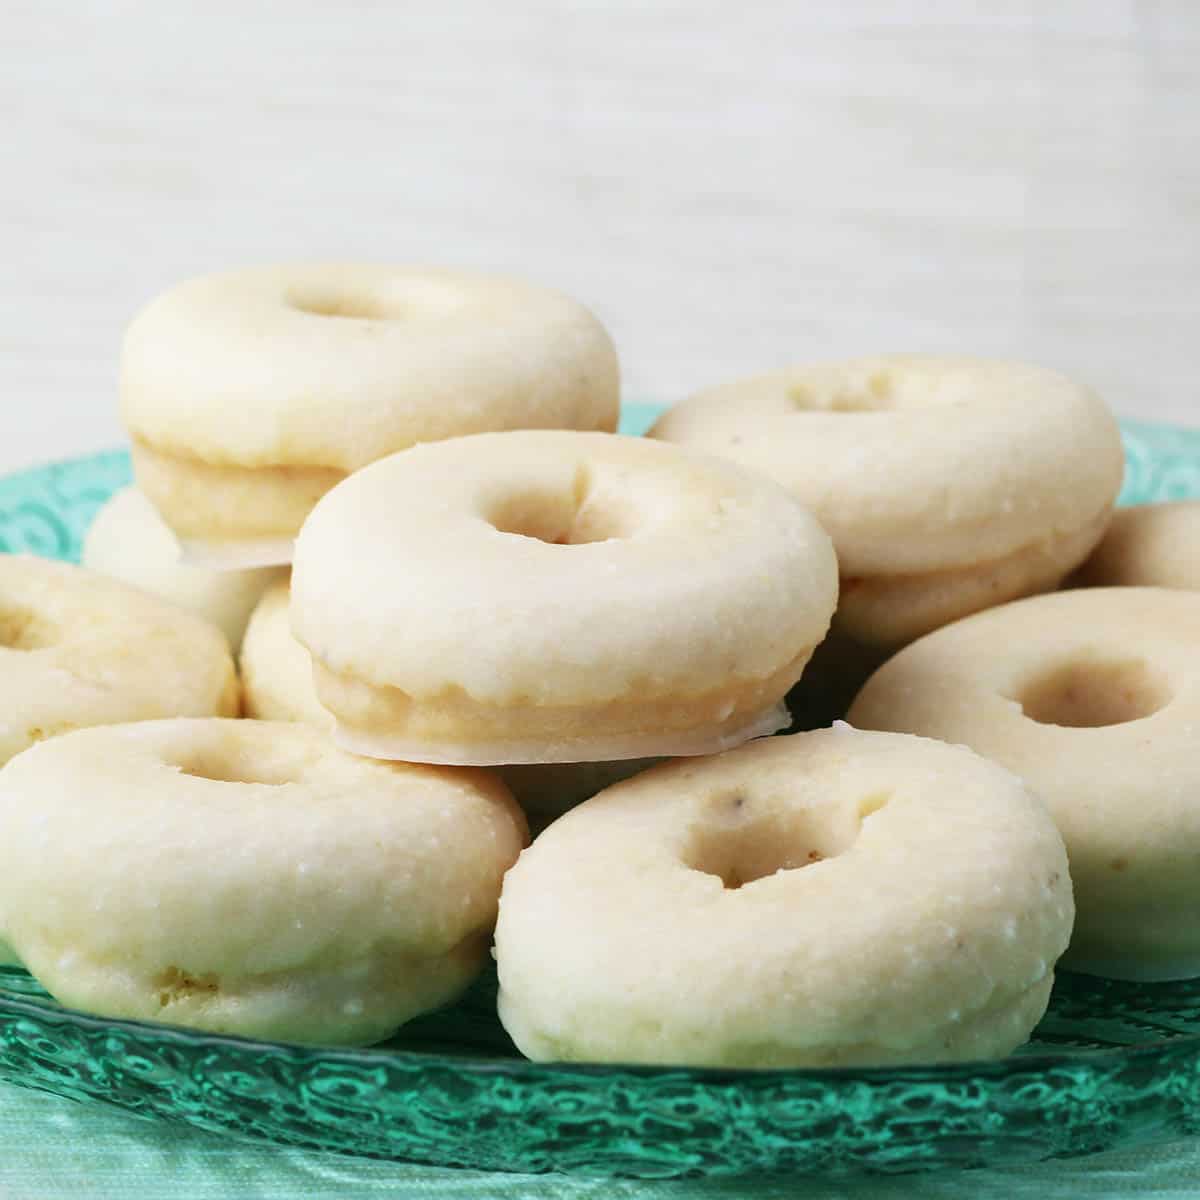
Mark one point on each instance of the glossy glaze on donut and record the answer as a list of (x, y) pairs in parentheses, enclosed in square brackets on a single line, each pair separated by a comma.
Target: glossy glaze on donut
[(947, 484), (825, 899), (79, 649), (1092, 696), (249, 394), (247, 877), (557, 597)]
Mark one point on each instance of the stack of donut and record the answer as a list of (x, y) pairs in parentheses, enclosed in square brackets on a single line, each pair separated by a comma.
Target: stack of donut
[(494, 598)]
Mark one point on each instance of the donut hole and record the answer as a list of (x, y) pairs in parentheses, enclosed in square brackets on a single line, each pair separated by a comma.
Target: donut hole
[(1092, 693), (23, 629), (408, 300), (330, 302), (228, 766), (740, 840), (563, 519)]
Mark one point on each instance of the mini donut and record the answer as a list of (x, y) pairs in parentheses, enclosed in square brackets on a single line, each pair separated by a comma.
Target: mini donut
[(1093, 696), (246, 877), (948, 485), (129, 540), (557, 597), (277, 685), (81, 649), (1150, 545), (276, 671), (831, 898), (249, 394)]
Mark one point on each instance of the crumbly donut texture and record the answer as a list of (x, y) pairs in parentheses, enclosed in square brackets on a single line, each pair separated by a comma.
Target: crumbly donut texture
[(1093, 696), (80, 649), (557, 597), (246, 877), (830, 898), (249, 394), (277, 684), (129, 540), (947, 484), (1148, 545)]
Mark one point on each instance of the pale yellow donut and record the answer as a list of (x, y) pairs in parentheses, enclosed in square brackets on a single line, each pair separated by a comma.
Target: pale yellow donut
[(79, 649), (129, 540), (277, 676), (246, 877), (249, 394), (947, 484), (831, 898), (1093, 696), (557, 597), (277, 685), (1153, 545)]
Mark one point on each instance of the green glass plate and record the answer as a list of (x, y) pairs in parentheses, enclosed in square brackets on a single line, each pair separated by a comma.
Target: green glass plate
[(1112, 1064)]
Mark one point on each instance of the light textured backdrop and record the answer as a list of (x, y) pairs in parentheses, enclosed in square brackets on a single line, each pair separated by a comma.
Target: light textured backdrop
[(730, 187)]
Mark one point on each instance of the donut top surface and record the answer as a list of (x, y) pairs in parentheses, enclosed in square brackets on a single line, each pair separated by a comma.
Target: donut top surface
[(1046, 683), (78, 648), (833, 895), (917, 463), (1093, 696), (129, 540), (1150, 545), (243, 842), (558, 568), (337, 364)]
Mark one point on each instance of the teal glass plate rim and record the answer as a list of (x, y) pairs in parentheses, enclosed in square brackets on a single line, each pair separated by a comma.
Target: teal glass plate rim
[(19, 993), (1115, 1064)]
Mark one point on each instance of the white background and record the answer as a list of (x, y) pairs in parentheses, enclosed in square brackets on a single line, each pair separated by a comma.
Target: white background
[(730, 186)]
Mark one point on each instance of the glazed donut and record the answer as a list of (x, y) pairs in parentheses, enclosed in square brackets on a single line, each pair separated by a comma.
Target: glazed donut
[(276, 671), (1152, 545), (246, 877), (557, 597), (1093, 697), (249, 394), (128, 540), (947, 484), (826, 899), (277, 685), (80, 649)]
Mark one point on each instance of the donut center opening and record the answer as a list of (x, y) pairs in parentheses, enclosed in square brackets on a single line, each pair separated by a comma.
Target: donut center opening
[(22, 629), (239, 768), (343, 304), (563, 518), (741, 839), (1092, 693), (404, 300)]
